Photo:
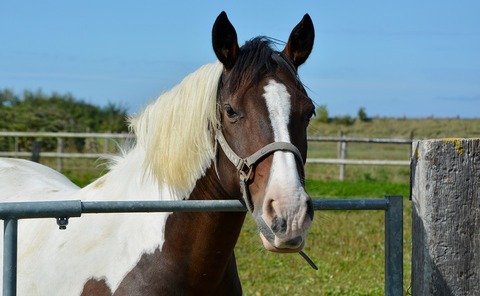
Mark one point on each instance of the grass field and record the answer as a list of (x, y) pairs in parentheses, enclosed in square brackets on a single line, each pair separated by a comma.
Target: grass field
[(347, 246)]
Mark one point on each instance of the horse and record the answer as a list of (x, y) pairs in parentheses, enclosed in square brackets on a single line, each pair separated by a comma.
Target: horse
[(234, 129)]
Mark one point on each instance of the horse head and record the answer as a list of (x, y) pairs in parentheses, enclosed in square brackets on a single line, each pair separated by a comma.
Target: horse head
[(264, 112)]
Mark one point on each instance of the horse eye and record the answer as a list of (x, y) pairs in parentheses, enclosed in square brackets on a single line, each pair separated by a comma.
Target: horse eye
[(230, 112), (311, 114)]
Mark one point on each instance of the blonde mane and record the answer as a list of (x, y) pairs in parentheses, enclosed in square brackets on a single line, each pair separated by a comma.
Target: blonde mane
[(175, 130)]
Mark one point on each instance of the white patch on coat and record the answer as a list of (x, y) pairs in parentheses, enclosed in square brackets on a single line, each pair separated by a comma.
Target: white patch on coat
[(284, 184)]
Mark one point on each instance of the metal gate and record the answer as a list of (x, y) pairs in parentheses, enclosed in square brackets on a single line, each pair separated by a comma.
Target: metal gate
[(11, 212)]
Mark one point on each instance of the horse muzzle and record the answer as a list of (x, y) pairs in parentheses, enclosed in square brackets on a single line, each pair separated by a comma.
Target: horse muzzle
[(284, 235), (279, 245)]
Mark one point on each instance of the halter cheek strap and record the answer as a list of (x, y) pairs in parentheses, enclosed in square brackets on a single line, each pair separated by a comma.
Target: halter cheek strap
[(245, 167)]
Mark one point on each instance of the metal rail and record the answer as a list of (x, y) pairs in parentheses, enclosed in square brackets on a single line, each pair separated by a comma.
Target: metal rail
[(11, 212)]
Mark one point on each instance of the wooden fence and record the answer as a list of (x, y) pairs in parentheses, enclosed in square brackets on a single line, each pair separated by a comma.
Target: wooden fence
[(108, 139), (342, 153)]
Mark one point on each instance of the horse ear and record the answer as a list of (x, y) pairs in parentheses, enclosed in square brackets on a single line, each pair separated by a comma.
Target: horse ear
[(300, 42), (224, 41)]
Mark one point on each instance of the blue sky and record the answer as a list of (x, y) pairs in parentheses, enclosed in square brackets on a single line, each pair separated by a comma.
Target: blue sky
[(402, 58)]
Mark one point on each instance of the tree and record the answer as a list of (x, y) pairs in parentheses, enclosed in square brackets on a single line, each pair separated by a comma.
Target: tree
[(38, 112), (8, 98), (322, 114), (114, 117), (362, 114)]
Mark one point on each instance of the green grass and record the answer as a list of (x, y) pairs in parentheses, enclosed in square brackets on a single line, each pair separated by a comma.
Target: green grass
[(347, 246), (355, 188), (421, 128)]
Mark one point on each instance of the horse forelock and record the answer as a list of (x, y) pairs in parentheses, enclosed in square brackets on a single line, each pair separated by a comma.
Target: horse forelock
[(257, 59), (175, 130)]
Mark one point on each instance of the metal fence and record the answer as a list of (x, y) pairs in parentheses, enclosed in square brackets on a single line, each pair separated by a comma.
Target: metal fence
[(11, 212)]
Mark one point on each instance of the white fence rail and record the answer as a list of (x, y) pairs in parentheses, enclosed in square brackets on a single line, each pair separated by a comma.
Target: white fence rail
[(60, 154), (35, 152)]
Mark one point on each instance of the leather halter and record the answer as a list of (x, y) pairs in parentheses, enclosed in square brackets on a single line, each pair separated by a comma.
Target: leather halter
[(245, 165), (245, 168)]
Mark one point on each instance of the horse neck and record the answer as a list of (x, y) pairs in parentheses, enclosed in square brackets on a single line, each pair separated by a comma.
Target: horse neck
[(210, 239), (197, 253)]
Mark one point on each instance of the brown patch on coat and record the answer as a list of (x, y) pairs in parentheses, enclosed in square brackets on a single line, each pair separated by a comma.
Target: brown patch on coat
[(94, 287)]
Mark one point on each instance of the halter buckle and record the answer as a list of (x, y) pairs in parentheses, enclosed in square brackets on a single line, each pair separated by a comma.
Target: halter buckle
[(245, 170)]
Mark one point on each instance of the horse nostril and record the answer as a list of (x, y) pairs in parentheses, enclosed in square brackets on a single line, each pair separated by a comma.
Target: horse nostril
[(294, 242), (310, 209), (279, 225)]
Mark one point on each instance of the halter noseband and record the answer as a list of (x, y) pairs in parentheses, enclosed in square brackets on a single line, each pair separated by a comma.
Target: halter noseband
[(245, 168)]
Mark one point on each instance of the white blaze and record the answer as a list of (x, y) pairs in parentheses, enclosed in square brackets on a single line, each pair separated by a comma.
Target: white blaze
[(284, 184), (278, 104)]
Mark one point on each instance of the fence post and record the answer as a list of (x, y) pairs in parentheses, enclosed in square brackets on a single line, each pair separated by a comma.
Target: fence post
[(36, 147), (446, 217), (10, 237), (60, 149), (394, 246), (342, 154), (106, 147), (17, 145), (412, 134)]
